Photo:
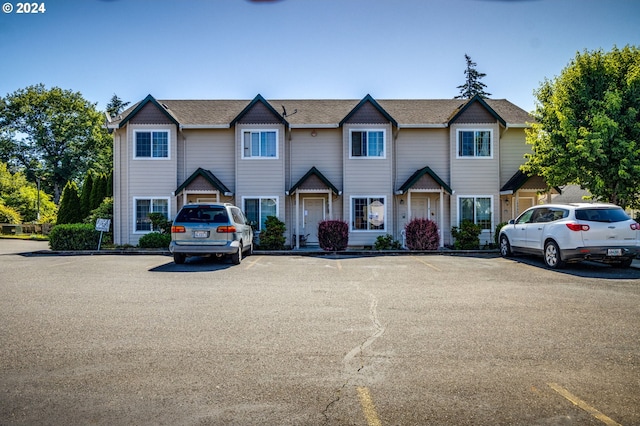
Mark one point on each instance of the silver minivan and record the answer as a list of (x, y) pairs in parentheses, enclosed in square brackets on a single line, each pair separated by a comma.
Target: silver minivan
[(211, 229)]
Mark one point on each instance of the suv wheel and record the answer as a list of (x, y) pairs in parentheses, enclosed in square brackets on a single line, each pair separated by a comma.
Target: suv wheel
[(236, 258), (552, 255), (179, 258), (505, 247)]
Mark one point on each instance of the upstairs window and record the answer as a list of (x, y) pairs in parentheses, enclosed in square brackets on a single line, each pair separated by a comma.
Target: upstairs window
[(152, 144), (367, 143), (260, 144), (474, 143)]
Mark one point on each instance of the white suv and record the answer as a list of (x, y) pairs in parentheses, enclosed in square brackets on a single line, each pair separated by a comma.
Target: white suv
[(564, 233)]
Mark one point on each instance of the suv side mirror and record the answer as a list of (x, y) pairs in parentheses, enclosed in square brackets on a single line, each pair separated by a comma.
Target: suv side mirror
[(512, 221)]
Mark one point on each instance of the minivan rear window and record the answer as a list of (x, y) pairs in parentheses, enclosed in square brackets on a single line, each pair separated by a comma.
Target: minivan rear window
[(202, 214), (602, 215)]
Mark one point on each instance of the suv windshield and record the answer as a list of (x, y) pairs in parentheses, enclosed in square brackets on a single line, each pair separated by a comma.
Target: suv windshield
[(206, 214), (602, 215)]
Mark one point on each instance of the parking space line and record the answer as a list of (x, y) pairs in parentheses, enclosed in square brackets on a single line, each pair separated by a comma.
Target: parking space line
[(253, 262), (427, 263), (583, 405), (368, 408)]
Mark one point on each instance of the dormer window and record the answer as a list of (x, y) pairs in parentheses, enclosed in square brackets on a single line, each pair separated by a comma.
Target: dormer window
[(367, 143), (474, 144), (260, 144)]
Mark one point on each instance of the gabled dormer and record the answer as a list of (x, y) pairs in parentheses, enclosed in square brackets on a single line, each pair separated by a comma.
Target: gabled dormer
[(149, 111)]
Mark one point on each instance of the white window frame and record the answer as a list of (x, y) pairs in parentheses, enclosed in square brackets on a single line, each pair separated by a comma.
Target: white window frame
[(258, 157), (475, 155), (135, 211), (152, 131), (352, 213), (260, 198), (475, 218), (368, 157)]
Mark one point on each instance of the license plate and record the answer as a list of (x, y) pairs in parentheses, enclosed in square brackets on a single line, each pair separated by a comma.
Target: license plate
[(614, 252), (200, 234)]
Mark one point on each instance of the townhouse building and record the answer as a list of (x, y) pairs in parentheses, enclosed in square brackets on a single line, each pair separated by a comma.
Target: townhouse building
[(375, 164)]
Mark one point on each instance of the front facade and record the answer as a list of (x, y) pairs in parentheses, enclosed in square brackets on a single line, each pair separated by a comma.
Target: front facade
[(375, 164)]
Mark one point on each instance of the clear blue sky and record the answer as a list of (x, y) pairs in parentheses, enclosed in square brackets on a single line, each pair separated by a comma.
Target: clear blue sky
[(235, 49)]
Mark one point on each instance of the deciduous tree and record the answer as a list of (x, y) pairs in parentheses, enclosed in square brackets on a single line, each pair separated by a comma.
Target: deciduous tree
[(587, 126)]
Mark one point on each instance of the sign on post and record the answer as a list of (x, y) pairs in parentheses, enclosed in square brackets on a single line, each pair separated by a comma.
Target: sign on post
[(102, 225)]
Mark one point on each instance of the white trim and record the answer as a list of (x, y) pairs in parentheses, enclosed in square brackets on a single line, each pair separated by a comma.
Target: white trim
[(474, 157), (367, 130), (135, 206), (351, 212), (150, 130), (259, 130)]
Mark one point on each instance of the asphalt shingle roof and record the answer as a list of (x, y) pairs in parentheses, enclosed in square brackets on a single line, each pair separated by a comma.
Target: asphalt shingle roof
[(330, 112)]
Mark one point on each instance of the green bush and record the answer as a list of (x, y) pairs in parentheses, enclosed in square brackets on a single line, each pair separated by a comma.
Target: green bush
[(159, 223), (272, 236), (9, 215), (154, 240), (386, 242), (333, 235), (467, 236), (75, 236), (422, 234)]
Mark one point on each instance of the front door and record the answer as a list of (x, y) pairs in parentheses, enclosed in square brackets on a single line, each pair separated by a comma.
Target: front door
[(313, 211)]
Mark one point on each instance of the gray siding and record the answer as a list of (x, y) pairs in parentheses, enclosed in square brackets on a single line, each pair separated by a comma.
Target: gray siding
[(212, 150)]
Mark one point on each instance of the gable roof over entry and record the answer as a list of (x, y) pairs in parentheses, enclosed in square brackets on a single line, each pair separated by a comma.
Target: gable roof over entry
[(314, 172), (425, 171), (209, 177)]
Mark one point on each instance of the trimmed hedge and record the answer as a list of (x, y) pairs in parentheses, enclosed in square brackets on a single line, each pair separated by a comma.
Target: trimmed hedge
[(154, 240), (75, 236), (333, 235)]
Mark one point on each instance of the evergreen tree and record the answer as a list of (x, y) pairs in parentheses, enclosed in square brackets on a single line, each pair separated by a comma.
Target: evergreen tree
[(85, 196), (69, 211), (98, 191), (116, 106), (472, 86)]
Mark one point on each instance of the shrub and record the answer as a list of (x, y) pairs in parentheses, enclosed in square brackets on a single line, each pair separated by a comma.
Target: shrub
[(422, 234), (386, 242), (333, 235), (104, 211), (272, 237), (9, 215), (154, 240), (159, 223), (467, 237), (69, 210), (76, 236)]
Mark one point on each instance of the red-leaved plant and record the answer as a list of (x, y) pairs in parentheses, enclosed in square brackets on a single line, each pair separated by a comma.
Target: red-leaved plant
[(422, 234), (333, 235)]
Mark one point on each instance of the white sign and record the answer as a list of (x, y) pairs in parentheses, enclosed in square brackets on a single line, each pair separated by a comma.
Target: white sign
[(103, 225)]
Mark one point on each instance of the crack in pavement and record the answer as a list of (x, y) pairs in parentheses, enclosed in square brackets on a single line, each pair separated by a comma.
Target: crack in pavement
[(350, 372)]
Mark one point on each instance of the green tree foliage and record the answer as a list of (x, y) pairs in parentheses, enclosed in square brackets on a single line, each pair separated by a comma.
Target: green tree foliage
[(98, 191), (85, 195), (116, 106), (70, 211), (587, 128), (22, 197), (9, 215), (472, 85), (272, 237), (54, 131)]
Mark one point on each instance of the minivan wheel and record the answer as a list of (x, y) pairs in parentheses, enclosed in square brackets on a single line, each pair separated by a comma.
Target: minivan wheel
[(179, 258), (505, 247), (552, 255), (236, 258)]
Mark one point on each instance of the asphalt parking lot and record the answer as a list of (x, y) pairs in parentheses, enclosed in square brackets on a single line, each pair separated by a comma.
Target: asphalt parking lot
[(316, 340)]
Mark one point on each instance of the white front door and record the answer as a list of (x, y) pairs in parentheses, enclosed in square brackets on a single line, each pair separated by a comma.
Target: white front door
[(313, 213)]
